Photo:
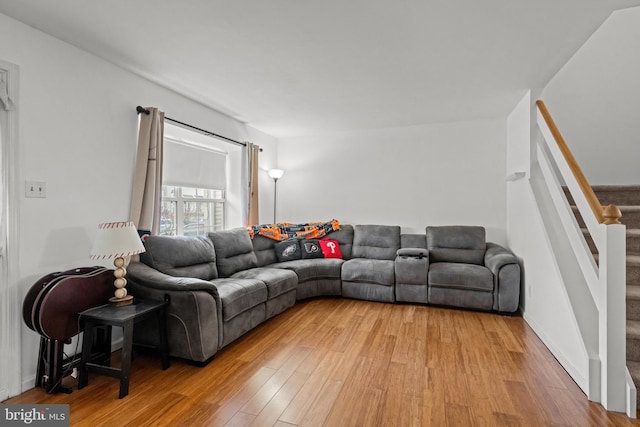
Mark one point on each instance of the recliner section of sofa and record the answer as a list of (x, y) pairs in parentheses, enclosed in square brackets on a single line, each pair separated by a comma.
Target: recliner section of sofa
[(463, 273), (222, 285), (370, 274)]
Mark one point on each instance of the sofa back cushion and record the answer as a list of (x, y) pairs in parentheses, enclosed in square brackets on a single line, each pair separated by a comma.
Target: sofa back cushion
[(456, 243), (234, 251), (344, 236), (263, 247), (181, 256), (376, 241)]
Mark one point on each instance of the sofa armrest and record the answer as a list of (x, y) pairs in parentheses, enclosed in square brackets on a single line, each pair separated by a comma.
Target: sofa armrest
[(412, 270), (193, 314), (497, 257), (506, 273), (149, 277), (412, 252)]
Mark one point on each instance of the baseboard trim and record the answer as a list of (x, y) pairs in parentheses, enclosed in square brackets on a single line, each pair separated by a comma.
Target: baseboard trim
[(580, 380), (28, 383)]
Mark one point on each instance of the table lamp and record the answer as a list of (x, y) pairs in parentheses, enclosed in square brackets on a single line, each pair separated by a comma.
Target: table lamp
[(117, 240)]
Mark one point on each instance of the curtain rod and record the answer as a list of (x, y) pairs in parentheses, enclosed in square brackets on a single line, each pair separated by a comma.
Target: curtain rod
[(142, 110)]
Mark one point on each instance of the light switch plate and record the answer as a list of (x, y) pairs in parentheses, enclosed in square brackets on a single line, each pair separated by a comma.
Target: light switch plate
[(35, 189)]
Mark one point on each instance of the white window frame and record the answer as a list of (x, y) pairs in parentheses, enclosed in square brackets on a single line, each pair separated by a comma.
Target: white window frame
[(180, 201)]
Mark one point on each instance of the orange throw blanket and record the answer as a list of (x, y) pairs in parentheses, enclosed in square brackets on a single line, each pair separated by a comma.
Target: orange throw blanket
[(286, 230)]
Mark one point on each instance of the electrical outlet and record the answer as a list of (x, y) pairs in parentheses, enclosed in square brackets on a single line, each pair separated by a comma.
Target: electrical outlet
[(35, 189)]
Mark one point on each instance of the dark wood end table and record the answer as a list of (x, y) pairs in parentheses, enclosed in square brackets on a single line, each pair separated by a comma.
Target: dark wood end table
[(125, 317)]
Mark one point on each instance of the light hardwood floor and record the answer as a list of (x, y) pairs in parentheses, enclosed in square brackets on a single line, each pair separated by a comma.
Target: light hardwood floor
[(340, 362)]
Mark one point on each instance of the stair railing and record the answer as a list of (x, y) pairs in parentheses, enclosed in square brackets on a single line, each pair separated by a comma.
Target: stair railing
[(604, 214), (610, 382)]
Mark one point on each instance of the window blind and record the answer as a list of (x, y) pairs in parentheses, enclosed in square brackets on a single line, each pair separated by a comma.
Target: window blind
[(188, 165)]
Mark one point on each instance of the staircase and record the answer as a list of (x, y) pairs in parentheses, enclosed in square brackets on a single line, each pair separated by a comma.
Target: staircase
[(627, 198)]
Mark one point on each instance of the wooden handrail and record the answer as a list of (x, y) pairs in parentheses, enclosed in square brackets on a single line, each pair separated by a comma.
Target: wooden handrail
[(605, 215)]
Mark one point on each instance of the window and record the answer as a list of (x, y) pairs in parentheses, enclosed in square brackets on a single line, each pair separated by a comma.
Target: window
[(188, 211), (194, 184)]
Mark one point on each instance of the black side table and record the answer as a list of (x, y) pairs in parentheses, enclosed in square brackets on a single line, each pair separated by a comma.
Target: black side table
[(125, 317)]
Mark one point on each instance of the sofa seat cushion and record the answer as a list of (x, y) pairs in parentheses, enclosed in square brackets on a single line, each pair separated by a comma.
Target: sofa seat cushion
[(460, 276), (277, 281), (239, 295), (380, 272), (313, 269)]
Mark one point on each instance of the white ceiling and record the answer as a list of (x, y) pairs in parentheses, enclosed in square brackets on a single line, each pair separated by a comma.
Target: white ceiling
[(292, 67)]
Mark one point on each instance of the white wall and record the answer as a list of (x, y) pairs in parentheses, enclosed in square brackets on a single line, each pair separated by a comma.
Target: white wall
[(594, 101), (77, 133), (545, 303), (415, 176)]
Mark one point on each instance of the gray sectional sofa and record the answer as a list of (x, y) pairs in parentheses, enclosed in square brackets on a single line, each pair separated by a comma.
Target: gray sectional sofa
[(224, 284)]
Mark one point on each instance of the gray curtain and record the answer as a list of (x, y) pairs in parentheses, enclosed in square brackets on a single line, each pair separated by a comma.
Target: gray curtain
[(147, 180), (253, 216)]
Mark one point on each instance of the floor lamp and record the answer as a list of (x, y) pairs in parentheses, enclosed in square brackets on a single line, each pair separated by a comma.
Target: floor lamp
[(276, 174)]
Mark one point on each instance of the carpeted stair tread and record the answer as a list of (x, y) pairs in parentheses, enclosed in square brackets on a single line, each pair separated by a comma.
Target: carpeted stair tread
[(633, 292), (633, 340), (630, 216), (633, 329), (634, 370), (632, 260), (590, 242), (629, 210), (617, 194), (612, 194), (633, 302), (633, 241), (633, 268)]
